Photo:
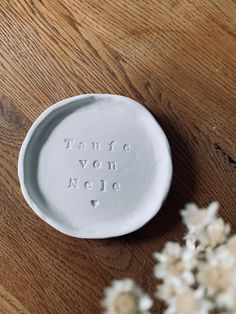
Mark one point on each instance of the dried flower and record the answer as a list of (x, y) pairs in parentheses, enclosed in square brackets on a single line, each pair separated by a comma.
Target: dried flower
[(197, 219), (188, 301), (215, 273), (175, 263), (124, 297), (166, 291), (215, 233), (204, 228), (227, 251)]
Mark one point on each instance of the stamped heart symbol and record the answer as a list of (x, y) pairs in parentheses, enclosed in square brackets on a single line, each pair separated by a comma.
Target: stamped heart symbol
[(95, 203)]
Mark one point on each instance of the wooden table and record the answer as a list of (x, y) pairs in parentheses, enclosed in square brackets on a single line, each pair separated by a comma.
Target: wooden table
[(176, 57)]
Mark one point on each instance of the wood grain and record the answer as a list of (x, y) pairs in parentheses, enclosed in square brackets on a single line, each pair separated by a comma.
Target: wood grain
[(9, 304), (178, 58)]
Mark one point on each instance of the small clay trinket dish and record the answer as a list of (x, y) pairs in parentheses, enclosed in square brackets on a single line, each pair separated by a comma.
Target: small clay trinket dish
[(95, 166)]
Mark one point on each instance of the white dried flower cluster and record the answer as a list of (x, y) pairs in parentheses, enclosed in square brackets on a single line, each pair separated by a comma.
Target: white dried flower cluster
[(200, 276), (204, 227), (125, 297)]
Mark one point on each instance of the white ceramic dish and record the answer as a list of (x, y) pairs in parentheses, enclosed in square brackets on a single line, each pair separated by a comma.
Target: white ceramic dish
[(95, 166)]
